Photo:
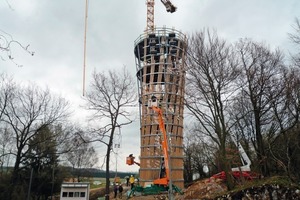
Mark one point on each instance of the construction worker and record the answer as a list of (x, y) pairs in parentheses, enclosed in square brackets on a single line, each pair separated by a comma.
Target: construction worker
[(162, 169), (131, 181), (120, 191), (115, 190), (127, 181)]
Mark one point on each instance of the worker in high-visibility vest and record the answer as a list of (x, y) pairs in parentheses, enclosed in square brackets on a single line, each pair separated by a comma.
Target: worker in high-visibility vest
[(131, 181)]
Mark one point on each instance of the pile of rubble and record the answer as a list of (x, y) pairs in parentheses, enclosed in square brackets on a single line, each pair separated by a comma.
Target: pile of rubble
[(215, 189), (269, 191), (204, 189)]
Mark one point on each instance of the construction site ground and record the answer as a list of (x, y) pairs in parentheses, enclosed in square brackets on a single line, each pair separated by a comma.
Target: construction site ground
[(198, 190), (271, 188)]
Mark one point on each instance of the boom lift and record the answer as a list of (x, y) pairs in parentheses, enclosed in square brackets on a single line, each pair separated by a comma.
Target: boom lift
[(163, 182), (152, 104), (130, 160), (244, 157), (241, 171), (164, 143)]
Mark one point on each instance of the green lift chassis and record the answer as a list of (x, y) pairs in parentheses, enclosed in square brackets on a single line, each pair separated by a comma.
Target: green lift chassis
[(151, 190)]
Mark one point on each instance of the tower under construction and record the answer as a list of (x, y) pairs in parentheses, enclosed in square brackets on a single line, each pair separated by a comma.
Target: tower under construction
[(160, 63)]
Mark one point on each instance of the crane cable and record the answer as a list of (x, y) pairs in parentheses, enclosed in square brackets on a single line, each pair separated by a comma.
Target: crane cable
[(84, 46)]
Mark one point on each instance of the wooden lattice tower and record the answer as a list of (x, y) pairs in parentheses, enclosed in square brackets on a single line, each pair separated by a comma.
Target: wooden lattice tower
[(160, 62)]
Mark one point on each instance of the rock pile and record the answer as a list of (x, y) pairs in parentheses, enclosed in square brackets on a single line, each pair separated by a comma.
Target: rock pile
[(264, 192), (205, 189)]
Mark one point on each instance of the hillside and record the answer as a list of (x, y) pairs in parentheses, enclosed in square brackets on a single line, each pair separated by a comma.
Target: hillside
[(269, 188)]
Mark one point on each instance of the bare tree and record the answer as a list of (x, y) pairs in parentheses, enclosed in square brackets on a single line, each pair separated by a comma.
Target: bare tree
[(7, 88), (110, 98), (286, 113), (6, 47), (6, 147), (259, 71), (295, 37), (29, 110), (80, 154), (199, 154), (210, 86), (187, 164)]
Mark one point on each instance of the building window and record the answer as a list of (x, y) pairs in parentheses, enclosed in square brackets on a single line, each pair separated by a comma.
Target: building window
[(64, 194), (82, 194), (76, 194), (71, 194)]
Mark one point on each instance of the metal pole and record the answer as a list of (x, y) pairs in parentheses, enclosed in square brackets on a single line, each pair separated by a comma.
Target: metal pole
[(52, 181), (29, 189), (116, 167)]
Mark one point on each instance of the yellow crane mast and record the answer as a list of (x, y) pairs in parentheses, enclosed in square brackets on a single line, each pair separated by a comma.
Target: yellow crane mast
[(150, 12)]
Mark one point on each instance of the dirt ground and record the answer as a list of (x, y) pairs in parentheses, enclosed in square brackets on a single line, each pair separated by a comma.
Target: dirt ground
[(215, 189), (204, 189), (100, 192), (199, 190)]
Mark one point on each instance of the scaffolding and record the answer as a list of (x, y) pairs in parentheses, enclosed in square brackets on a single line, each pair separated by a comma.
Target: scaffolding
[(160, 65)]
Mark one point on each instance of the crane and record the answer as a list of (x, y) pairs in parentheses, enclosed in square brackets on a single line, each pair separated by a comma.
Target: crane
[(150, 12)]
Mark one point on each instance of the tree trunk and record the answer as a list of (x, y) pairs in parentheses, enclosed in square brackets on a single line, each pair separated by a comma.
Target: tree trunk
[(107, 173), (226, 167), (261, 155), (14, 176)]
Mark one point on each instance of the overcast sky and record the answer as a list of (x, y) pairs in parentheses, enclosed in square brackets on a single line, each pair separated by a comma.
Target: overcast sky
[(54, 29)]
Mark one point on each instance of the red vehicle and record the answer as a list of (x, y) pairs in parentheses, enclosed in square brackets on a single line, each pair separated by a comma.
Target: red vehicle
[(248, 175), (242, 171)]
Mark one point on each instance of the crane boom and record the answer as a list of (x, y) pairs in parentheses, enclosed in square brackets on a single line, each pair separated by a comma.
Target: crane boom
[(169, 6)]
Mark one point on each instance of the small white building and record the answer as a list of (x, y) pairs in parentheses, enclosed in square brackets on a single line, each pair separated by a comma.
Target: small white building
[(75, 191)]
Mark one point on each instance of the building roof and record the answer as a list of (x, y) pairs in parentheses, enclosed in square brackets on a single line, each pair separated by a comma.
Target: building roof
[(75, 185)]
